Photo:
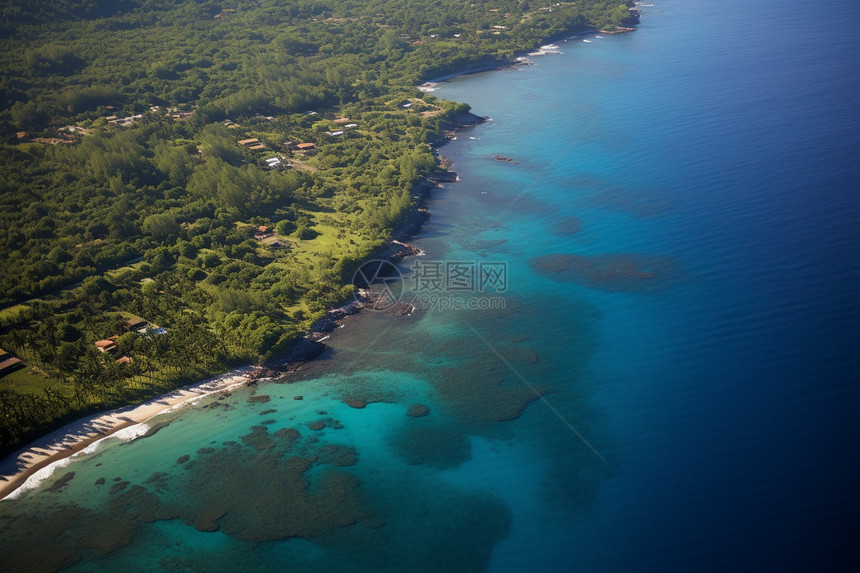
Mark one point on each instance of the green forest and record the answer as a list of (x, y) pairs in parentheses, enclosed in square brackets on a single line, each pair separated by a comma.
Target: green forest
[(191, 183)]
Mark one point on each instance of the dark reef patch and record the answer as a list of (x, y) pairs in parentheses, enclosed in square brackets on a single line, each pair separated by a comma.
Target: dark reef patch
[(294, 506), (611, 272), (118, 486), (480, 393), (62, 482), (288, 437), (567, 226), (259, 438), (337, 455), (432, 444)]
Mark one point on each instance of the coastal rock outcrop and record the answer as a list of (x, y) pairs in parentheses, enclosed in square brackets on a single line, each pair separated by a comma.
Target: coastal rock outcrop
[(302, 351)]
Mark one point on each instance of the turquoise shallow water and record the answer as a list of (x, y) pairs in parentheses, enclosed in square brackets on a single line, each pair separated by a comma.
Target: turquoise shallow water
[(679, 227)]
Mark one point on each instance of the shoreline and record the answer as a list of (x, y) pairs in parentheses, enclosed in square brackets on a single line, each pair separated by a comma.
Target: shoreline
[(78, 436), (520, 58)]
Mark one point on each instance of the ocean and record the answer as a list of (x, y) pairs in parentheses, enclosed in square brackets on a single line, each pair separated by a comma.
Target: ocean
[(636, 347)]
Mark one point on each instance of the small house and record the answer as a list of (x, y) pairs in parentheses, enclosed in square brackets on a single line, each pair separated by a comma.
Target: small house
[(249, 142), (10, 364), (135, 323), (107, 345), (263, 232)]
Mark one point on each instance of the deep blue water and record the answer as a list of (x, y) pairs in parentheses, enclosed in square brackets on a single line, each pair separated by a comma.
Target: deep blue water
[(680, 229)]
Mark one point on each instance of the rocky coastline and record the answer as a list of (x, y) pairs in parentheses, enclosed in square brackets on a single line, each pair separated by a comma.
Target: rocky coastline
[(311, 344)]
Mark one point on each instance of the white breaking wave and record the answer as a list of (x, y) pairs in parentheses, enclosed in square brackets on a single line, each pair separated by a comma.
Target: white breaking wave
[(39, 477), (547, 49)]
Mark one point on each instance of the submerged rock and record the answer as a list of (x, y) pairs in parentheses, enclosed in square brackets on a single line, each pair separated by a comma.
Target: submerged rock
[(417, 410), (117, 487), (316, 425), (62, 482)]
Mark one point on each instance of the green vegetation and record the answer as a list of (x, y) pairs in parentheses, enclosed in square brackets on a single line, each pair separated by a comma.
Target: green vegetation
[(125, 193)]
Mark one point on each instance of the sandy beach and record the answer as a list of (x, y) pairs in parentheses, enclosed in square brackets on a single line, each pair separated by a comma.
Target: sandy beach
[(36, 461)]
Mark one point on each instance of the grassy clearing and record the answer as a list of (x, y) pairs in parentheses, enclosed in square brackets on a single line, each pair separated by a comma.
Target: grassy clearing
[(26, 380)]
